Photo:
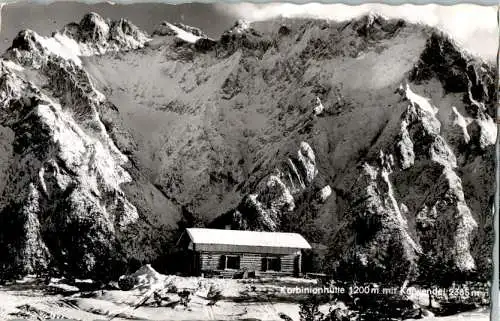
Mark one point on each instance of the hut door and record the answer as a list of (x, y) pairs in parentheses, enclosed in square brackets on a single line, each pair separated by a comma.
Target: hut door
[(222, 262), (296, 265)]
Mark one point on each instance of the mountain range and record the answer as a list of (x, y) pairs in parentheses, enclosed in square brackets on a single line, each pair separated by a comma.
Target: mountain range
[(373, 137)]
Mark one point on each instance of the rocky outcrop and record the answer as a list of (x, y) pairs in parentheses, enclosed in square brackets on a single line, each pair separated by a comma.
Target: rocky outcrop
[(68, 203), (398, 222), (67, 173), (447, 196), (273, 197), (243, 36)]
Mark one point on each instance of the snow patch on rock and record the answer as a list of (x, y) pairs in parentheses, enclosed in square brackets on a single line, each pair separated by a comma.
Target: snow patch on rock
[(10, 65), (319, 108), (308, 159), (417, 100), (62, 46), (488, 131), (182, 34), (459, 121), (325, 193)]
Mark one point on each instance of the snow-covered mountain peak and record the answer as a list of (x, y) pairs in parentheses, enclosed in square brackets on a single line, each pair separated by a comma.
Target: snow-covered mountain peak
[(92, 36)]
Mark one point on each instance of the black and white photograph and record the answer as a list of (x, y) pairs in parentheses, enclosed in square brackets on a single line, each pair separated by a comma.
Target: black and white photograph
[(247, 162)]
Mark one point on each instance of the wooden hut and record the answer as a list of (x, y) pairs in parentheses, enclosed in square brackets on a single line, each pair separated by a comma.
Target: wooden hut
[(232, 252)]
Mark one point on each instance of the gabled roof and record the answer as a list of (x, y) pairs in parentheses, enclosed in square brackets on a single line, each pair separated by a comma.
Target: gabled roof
[(261, 241)]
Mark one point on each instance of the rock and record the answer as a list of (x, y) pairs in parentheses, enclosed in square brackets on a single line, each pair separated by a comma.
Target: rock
[(240, 26), (205, 44), (307, 160), (273, 197), (284, 316), (483, 131), (147, 277)]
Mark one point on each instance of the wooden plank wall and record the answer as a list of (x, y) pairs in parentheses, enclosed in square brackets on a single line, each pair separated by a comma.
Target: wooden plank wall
[(210, 261), (232, 248), (287, 263), (248, 261)]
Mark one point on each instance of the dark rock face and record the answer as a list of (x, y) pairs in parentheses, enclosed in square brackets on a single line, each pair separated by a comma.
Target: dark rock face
[(164, 30), (93, 28), (244, 37), (349, 133), (457, 72), (205, 44), (26, 40)]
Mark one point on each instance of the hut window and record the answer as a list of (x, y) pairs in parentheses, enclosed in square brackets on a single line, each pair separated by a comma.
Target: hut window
[(271, 264), (231, 262)]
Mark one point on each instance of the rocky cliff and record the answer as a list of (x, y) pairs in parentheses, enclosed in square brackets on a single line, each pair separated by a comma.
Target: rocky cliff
[(63, 204), (372, 136)]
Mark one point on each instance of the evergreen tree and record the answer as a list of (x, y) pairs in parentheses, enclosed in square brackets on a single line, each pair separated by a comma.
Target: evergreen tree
[(309, 310)]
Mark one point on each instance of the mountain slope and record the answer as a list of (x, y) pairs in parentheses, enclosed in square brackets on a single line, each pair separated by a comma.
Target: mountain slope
[(372, 136), (63, 180)]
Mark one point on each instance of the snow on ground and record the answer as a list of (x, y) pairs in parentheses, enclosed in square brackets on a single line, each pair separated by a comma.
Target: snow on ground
[(479, 315), (241, 300)]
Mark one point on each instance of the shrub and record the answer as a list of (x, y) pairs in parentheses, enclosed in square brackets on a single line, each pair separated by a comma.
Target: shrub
[(309, 310), (172, 288), (126, 282)]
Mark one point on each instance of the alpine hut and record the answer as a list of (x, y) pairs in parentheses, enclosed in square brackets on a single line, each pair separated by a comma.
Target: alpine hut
[(234, 252)]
